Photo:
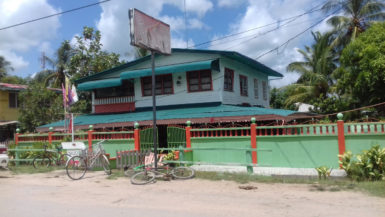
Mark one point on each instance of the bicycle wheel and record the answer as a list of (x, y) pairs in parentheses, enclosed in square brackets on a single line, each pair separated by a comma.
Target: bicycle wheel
[(106, 164), (76, 167), (183, 172), (62, 160), (143, 178), (39, 162)]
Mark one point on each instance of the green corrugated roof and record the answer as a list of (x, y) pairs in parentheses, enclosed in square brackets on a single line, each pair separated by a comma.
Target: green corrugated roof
[(230, 54), (177, 113), (90, 85), (181, 67)]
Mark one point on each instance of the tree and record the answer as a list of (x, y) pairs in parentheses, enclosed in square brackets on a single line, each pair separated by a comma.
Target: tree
[(60, 65), (88, 57), (361, 77), (14, 80), (5, 66), (39, 106), (357, 16), (315, 71), (278, 97)]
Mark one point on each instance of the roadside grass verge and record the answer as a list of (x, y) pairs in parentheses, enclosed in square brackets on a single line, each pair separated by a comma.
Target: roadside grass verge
[(332, 184), (29, 169)]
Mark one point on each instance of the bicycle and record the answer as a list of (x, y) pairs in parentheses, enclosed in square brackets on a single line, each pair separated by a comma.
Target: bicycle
[(44, 160), (149, 174), (77, 166)]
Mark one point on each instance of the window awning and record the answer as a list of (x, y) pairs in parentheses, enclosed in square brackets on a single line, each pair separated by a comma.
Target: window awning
[(183, 67), (90, 85)]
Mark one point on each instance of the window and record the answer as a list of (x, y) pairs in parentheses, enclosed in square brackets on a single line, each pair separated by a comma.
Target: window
[(256, 88), (126, 89), (229, 79), (163, 85), (264, 90), (243, 85), (12, 99), (199, 81)]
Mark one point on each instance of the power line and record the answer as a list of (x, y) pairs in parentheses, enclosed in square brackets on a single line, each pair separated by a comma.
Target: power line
[(52, 15), (297, 35), (312, 10), (265, 33)]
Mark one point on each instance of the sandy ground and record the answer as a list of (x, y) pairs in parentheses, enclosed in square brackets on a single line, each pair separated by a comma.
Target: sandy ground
[(54, 195)]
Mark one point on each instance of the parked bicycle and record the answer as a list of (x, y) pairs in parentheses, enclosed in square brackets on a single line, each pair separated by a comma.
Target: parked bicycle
[(77, 166), (149, 173), (46, 159)]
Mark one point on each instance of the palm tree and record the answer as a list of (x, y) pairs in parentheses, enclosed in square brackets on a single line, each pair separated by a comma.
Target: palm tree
[(356, 16), (315, 71), (56, 76), (5, 66)]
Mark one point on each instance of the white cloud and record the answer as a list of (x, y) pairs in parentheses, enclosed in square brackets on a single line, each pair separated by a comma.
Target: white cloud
[(257, 42), (17, 61), (200, 7), (113, 22), (17, 40), (230, 3), (181, 43)]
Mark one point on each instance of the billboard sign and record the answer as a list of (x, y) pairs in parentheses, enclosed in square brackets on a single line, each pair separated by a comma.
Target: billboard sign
[(148, 32)]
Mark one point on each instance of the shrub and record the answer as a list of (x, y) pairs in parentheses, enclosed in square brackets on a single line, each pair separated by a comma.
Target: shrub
[(369, 165), (323, 172)]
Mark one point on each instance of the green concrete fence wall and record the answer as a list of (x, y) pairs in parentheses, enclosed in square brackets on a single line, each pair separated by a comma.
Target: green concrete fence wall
[(298, 151), (218, 155)]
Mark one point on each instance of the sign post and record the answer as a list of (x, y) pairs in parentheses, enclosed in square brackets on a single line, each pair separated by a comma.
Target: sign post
[(154, 35)]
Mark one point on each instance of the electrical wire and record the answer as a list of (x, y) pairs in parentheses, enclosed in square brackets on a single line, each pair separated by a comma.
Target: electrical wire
[(52, 15), (312, 10), (297, 35)]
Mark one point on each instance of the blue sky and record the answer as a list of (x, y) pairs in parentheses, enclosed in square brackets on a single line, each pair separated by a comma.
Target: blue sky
[(206, 20)]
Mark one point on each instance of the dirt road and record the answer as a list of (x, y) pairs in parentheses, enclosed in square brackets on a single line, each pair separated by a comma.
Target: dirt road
[(54, 195)]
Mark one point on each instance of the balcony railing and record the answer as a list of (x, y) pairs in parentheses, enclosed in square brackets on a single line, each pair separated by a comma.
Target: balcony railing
[(114, 100)]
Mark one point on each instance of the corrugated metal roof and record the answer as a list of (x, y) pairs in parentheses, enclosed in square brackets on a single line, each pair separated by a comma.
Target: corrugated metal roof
[(180, 67), (18, 87), (230, 54), (180, 115), (6, 86)]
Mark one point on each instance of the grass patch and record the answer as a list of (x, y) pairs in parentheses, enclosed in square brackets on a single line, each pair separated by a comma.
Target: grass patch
[(376, 188), (116, 173), (26, 169)]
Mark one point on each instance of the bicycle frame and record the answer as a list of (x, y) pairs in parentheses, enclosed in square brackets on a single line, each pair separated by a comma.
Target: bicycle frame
[(93, 157)]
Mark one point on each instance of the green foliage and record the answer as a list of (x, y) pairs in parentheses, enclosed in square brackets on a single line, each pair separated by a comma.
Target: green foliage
[(356, 16), (5, 67), (361, 77), (39, 106), (55, 77), (328, 105), (370, 165), (171, 156), (88, 57), (278, 97), (13, 80), (323, 172), (315, 71)]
